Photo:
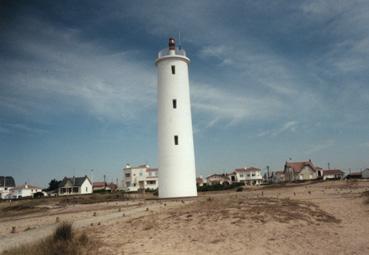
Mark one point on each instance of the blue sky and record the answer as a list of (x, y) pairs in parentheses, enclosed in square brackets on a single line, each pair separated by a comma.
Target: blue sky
[(270, 80)]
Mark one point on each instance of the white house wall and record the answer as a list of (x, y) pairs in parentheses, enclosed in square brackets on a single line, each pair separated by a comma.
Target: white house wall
[(307, 174), (86, 187), (137, 176)]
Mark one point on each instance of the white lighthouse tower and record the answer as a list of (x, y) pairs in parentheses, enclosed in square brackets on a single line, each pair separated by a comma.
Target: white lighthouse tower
[(177, 173)]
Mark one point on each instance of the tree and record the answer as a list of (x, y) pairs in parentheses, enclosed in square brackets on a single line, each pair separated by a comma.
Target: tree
[(53, 185)]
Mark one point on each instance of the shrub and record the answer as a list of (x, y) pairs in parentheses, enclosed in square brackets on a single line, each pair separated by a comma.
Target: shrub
[(62, 242), (63, 232), (217, 187), (156, 193)]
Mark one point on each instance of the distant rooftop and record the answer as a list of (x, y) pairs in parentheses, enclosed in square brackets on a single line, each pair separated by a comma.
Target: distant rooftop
[(7, 181)]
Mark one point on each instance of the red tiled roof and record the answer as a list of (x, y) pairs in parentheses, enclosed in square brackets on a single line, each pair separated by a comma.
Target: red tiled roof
[(333, 171), (355, 174), (219, 176), (249, 169), (99, 184), (240, 170), (298, 166), (199, 180)]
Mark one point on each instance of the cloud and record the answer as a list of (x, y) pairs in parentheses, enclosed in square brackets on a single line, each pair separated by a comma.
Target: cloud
[(219, 52), (8, 128), (320, 146), (290, 126), (254, 78), (220, 105), (57, 66)]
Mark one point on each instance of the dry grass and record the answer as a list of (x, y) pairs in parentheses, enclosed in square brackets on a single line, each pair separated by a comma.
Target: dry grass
[(366, 195), (63, 242), (25, 208), (238, 211), (257, 210), (94, 198)]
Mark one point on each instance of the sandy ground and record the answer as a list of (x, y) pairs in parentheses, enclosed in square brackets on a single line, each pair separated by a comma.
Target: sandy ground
[(321, 218)]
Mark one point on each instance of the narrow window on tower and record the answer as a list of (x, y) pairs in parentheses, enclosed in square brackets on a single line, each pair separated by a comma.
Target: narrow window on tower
[(174, 103), (173, 69), (176, 140)]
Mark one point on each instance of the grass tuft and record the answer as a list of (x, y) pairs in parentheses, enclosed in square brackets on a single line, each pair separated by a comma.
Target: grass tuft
[(63, 232), (64, 241)]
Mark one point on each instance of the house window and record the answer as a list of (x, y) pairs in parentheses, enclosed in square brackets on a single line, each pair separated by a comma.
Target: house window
[(140, 174), (241, 175), (151, 182), (176, 140), (173, 69), (174, 101), (75, 189), (128, 175), (128, 184)]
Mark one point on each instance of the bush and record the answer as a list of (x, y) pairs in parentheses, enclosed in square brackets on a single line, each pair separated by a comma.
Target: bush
[(217, 187), (63, 232), (62, 242), (156, 193), (38, 195)]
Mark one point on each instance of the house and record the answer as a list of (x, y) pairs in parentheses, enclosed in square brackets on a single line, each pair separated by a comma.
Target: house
[(365, 174), (7, 183), (200, 181), (319, 170), (253, 176), (221, 179), (75, 186), (300, 171), (354, 175), (98, 186), (332, 174), (239, 175), (24, 191), (140, 178), (249, 176), (232, 176), (278, 177)]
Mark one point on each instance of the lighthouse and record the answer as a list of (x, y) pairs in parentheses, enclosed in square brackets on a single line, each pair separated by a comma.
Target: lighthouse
[(176, 157)]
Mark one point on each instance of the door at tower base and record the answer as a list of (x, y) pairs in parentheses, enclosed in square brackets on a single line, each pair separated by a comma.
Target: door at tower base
[(177, 173)]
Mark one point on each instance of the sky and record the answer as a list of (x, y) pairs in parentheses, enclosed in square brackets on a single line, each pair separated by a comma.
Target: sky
[(270, 81)]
